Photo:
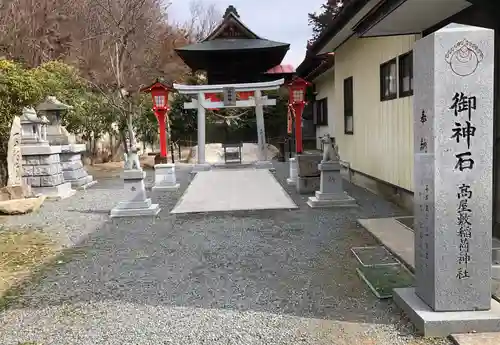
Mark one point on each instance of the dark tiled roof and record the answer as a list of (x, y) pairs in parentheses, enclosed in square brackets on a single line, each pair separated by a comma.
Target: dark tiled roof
[(233, 44)]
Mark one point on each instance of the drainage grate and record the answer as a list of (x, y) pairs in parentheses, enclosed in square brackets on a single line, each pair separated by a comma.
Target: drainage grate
[(374, 256), (381, 271), (383, 279)]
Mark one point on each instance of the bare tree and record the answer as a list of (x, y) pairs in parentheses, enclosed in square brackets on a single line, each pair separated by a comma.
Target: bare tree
[(128, 29), (33, 30), (204, 18), (118, 45)]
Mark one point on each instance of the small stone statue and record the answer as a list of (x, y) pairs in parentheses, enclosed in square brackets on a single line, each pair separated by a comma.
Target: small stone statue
[(330, 151), (132, 160)]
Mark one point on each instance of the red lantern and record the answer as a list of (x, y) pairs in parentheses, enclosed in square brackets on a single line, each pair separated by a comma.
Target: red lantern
[(297, 99), (297, 90), (159, 94)]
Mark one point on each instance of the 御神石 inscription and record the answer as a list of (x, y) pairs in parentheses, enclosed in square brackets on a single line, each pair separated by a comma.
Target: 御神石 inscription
[(461, 105), (464, 222)]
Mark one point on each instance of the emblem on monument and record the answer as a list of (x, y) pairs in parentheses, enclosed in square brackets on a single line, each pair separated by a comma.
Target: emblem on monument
[(464, 57)]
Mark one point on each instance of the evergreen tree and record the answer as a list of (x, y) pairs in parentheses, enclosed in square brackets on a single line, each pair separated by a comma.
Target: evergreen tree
[(321, 20)]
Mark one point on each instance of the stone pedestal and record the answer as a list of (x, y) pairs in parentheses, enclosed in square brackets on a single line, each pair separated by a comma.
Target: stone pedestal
[(292, 180), (136, 203), (331, 192), (43, 172), (165, 177), (308, 175), (72, 165), (453, 142)]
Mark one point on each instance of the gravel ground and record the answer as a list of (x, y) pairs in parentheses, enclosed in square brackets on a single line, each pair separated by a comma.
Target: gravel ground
[(263, 277)]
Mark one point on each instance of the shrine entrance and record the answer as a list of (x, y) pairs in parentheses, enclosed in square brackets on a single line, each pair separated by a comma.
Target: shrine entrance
[(240, 67), (250, 95)]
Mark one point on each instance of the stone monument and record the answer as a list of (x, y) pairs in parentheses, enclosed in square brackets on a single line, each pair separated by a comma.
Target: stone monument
[(14, 156), (41, 163), (17, 197), (453, 142), (71, 152), (137, 203), (331, 192)]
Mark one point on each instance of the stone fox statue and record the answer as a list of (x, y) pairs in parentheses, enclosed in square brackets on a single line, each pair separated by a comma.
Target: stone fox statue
[(330, 151), (132, 160)]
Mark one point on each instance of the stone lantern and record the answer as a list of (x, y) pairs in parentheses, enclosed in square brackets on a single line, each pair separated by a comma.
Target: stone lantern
[(41, 166), (33, 128), (71, 152), (52, 109)]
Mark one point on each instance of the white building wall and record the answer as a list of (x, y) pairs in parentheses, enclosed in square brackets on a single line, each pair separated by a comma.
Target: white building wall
[(382, 143)]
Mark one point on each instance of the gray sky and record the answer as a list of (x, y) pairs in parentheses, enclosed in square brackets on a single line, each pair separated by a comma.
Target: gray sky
[(276, 20)]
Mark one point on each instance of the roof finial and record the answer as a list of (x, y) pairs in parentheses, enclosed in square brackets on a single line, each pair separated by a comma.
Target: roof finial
[(231, 9)]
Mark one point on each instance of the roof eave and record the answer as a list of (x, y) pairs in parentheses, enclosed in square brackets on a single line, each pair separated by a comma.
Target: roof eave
[(278, 45), (312, 62), (341, 20)]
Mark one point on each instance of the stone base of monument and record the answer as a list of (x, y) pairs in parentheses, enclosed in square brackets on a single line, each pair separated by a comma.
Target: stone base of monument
[(58, 192), (137, 204), (73, 169), (42, 171), (331, 200), (165, 179), (441, 324), (292, 180)]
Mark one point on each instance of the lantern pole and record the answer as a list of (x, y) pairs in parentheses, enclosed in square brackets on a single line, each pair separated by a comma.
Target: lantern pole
[(161, 116), (164, 172), (159, 93), (298, 105), (299, 109)]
